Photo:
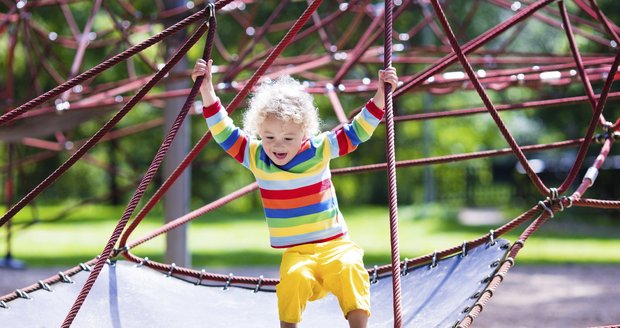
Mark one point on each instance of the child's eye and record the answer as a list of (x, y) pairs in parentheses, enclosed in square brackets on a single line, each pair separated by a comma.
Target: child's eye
[(288, 139), (269, 138)]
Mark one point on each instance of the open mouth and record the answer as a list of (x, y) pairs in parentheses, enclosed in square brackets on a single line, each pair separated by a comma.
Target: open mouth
[(280, 155)]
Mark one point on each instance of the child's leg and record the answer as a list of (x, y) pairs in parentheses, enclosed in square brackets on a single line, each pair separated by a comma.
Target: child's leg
[(344, 275), (357, 319), (297, 284)]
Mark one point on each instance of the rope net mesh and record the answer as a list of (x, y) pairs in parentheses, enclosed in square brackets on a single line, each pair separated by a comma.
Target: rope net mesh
[(484, 64)]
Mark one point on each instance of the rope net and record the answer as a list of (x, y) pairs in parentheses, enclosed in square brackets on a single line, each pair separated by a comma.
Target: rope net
[(491, 62)]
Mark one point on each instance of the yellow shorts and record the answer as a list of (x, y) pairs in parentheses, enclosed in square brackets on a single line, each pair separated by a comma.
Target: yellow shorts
[(308, 272)]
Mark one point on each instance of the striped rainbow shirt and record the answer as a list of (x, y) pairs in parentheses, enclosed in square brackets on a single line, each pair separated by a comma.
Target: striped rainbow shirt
[(299, 198)]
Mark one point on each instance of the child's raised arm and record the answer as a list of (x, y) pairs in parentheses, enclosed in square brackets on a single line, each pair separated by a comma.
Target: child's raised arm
[(385, 76), (206, 89)]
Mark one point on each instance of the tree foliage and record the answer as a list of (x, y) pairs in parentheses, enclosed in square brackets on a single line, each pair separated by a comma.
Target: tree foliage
[(215, 175)]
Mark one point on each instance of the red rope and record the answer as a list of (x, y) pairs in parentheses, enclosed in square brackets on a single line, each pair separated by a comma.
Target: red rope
[(371, 34), (544, 18), (8, 18), (529, 214), (572, 174), (397, 310), (471, 46), (230, 71), (286, 40), (364, 42), (75, 308), (616, 126), (548, 207), (192, 215), (199, 274), (340, 171), (454, 158), (422, 259), (51, 280), (589, 179), (391, 162), (473, 78), (578, 60), (93, 140), (487, 101), (609, 27), (393, 218), (506, 265), (105, 65), (597, 203), (387, 268), (307, 32), (535, 104)]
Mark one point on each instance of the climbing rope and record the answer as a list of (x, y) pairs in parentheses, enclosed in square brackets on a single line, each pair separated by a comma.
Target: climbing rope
[(493, 111), (111, 123), (419, 78), (460, 157), (545, 208), (391, 169), (339, 171), (9, 116), (591, 127), (284, 42), (485, 98), (159, 157), (578, 60)]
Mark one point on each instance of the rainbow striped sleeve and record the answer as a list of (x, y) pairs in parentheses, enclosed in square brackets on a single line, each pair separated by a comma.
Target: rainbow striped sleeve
[(349, 136), (231, 138)]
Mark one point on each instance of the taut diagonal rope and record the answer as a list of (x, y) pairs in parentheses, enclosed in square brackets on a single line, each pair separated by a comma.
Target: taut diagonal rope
[(159, 157)]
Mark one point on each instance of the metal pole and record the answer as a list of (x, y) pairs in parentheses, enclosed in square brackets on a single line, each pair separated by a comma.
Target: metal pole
[(8, 261), (176, 200)]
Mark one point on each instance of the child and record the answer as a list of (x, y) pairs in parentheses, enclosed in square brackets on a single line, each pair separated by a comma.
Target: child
[(291, 164)]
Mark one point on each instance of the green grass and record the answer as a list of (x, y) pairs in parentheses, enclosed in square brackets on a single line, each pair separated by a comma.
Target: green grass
[(225, 238)]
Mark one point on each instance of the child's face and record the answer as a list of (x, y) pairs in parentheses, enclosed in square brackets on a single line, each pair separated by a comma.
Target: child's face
[(281, 139)]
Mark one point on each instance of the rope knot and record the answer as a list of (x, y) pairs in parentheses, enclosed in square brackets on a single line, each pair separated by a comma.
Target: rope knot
[(551, 199), (570, 202), (210, 7), (608, 133), (555, 194), (119, 251), (546, 208)]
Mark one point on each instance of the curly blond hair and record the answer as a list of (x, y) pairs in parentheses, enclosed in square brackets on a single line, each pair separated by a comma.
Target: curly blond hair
[(286, 99)]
